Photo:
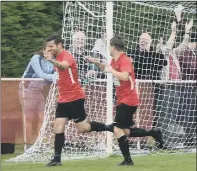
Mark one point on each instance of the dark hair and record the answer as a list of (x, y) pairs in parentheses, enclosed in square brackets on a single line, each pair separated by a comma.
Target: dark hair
[(117, 42), (40, 52), (57, 39), (193, 37)]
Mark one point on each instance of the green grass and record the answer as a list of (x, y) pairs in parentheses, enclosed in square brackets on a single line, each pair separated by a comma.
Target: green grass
[(168, 162)]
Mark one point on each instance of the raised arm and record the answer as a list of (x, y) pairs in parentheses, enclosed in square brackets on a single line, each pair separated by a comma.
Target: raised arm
[(165, 49), (184, 45), (170, 43)]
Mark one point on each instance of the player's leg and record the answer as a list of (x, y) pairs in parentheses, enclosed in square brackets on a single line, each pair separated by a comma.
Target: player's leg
[(120, 123), (79, 117), (84, 126), (61, 121), (139, 132), (124, 146)]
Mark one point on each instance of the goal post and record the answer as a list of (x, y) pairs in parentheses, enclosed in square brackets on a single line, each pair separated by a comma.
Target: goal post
[(109, 31)]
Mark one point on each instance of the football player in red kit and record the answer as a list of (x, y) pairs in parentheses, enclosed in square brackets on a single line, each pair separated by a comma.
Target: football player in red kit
[(122, 70)]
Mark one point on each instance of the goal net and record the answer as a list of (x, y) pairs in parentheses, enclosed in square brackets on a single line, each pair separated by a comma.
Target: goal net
[(166, 103)]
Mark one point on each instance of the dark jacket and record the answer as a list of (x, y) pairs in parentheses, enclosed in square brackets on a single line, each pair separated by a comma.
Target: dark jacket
[(147, 65)]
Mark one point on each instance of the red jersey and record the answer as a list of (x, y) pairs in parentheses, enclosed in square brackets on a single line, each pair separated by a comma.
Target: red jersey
[(68, 85), (125, 90)]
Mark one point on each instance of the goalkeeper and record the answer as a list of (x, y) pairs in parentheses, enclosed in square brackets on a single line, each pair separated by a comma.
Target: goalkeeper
[(127, 100)]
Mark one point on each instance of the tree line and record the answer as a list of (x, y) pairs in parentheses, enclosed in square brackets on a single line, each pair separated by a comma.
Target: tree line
[(24, 27)]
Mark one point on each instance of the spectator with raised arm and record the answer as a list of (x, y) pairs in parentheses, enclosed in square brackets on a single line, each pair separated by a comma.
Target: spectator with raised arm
[(173, 64), (147, 62), (182, 66), (181, 58)]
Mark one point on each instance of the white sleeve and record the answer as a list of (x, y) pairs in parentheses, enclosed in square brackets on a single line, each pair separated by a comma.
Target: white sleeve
[(96, 46), (100, 48)]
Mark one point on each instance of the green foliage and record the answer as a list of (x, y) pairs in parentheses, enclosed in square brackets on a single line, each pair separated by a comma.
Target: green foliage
[(25, 26)]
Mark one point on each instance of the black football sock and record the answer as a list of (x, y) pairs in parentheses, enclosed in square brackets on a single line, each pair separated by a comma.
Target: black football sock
[(98, 127), (59, 142), (124, 147), (139, 132)]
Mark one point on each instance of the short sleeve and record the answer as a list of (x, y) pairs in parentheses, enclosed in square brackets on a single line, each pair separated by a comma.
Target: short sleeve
[(68, 58), (126, 65)]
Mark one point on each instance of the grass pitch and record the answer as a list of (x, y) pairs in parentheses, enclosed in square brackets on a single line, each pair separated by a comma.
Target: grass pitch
[(167, 162)]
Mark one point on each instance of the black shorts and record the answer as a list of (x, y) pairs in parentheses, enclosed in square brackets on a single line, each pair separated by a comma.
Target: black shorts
[(124, 116), (72, 110)]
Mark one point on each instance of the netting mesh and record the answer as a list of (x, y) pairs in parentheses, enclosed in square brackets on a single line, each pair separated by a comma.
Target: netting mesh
[(189, 6), (167, 104)]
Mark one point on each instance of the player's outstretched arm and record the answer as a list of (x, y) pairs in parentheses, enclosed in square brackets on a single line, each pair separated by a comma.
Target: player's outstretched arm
[(96, 62), (124, 76)]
